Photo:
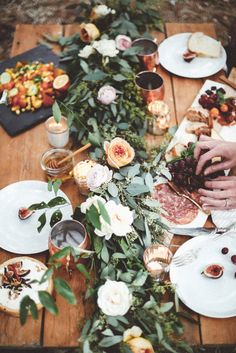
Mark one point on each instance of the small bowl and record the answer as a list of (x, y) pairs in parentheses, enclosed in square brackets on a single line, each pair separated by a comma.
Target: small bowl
[(57, 154)]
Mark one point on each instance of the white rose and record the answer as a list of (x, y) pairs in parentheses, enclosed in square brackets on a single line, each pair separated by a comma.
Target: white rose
[(85, 206), (86, 51), (114, 298), (103, 10), (106, 94), (123, 42), (106, 47), (121, 218), (97, 176)]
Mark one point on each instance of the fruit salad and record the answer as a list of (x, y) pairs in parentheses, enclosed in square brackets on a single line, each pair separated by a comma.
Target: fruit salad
[(30, 86)]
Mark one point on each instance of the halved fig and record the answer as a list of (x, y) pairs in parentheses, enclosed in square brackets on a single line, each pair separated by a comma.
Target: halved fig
[(213, 271), (25, 213), (23, 273), (61, 83), (189, 56)]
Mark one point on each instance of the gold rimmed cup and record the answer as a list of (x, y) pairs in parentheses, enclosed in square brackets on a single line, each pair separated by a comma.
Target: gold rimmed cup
[(157, 259), (151, 85), (148, 55)]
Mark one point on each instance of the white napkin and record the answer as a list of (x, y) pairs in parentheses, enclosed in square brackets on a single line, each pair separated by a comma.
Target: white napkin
[(223, 219)]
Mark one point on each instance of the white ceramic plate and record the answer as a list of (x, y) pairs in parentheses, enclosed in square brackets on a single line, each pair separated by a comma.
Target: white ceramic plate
[(21, 236), (171, 51), (207, 296)]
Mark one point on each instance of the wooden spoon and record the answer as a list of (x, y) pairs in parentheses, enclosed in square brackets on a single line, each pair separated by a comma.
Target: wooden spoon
[(54, 164)]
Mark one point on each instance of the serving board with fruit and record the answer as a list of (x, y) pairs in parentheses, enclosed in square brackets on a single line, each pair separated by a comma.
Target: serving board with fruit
[(31, 81)]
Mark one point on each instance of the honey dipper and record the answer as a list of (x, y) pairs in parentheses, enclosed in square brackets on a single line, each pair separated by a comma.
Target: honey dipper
[(54, 164)]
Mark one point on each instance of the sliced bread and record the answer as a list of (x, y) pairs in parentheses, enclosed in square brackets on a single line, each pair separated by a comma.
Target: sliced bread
[(203, 45)]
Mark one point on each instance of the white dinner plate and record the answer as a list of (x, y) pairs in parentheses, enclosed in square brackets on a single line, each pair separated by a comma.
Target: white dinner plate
[(21, 236), (171, 58), (207, 296)]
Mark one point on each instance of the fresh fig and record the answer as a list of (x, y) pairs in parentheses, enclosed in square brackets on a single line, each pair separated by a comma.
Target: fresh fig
[(23, 273), (213, 271), (188, 56), (24, 213)]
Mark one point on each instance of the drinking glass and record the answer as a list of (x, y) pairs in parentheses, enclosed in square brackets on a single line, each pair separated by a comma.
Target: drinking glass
[(157, 259), (148, 56), (151, 85)]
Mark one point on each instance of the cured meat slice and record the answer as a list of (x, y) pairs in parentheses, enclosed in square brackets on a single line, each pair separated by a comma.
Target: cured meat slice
[(177, 209)]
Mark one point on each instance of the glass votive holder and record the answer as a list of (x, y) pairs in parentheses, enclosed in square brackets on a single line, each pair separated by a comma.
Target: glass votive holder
[(148, 55), (80, 173), (158, 124), (57, 132), (157, 259), (49, 163), (151, 85), (68, 233)]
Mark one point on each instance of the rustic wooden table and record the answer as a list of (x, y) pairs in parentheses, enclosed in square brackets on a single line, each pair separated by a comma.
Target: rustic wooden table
[(20, 161)]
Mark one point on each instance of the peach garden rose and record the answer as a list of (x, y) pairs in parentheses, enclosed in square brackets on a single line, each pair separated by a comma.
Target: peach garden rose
[(88, 32), (118, 152)]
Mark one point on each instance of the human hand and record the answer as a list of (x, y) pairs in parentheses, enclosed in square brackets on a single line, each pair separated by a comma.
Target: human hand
[(222, 196), (216, 148)]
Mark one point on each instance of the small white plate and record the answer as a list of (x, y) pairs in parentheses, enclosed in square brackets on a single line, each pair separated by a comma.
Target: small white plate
[(171, 58), (21, 236), (207, 296)]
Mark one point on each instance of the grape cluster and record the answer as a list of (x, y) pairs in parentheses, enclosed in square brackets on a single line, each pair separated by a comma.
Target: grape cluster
[(183, 173), (211, 98)]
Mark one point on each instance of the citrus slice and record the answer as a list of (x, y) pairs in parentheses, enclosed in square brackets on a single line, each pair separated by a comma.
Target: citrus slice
[(5, 78), (13, 92), (61, 82)]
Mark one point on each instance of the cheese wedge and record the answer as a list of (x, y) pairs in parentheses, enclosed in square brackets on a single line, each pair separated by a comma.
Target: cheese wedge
[(203, 45)]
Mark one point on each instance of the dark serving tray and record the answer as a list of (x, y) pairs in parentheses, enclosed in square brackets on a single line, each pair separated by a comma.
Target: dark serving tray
[(15, 124)]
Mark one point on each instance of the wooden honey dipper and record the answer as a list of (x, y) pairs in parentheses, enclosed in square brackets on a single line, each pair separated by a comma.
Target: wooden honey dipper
[(54, 164)]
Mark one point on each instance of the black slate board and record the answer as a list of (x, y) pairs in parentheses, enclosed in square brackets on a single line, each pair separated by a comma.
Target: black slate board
[(15, 124)]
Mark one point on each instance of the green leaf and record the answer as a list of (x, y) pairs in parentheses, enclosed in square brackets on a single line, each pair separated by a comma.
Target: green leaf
[(123, 126), (60, 254), (166, 307), (148, 237), (42, 221), (112, 189), (94, 138), (132, 51), (86, 347), (140, 279), (168, 347), (113, 109), (119, 78), (149, 181), (104, 212), (112, 321), (159, 331), (151, 203), (107, 332), (176, 302), (47, 274), (84, 66), (118, 176), (135, 170), (63, 288), (83, 270), (119, 255), (105, 254), (110, 341), (55, 217), (38, 206), (97, 75), (86, 328), (56, 112), (26, 305), (57, 201), (56, 184), (93, 216), (137, 189), (50, 185), (48, 302)]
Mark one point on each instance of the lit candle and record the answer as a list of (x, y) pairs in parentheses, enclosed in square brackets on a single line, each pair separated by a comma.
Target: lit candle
[(161, 117), (57, 133)]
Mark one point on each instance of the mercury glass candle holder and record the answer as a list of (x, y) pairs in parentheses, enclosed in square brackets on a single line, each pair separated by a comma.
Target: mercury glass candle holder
[(159, 122), (157, 259), (80, 172)]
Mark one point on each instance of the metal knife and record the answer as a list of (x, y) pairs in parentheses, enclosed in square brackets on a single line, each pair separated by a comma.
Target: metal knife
[(194, 232)]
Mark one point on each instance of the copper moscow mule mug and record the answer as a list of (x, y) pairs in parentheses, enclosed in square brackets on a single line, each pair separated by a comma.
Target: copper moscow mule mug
[(148, 56), (151, 85)]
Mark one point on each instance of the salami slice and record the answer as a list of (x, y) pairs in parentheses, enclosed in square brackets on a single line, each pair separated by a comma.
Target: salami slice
[(177, 209)]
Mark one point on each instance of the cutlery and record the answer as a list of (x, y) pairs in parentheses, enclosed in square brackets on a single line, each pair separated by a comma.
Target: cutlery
[(185, 258), (182, 194), (194, 232), (3, 99)]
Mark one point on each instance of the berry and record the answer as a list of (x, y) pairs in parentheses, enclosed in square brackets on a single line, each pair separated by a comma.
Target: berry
[(224, 108), (213, 88), (233, 259), (225, 251), (209, 92)]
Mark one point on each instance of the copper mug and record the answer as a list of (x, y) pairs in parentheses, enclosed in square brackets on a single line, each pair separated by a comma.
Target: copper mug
[(151, 85), (148, 55), (68, 233)]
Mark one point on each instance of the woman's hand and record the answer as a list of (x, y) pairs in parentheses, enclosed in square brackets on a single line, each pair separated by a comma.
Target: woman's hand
[(222, 196), (216, 148)]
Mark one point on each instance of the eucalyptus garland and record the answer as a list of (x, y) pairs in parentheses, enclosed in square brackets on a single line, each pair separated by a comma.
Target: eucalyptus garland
[(145, 322)]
